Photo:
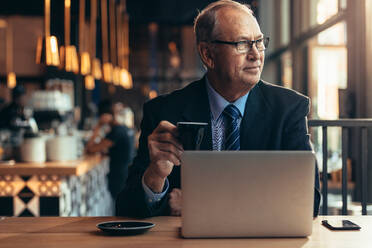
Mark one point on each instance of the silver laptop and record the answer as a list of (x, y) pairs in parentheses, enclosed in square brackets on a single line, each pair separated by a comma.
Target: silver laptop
[(247, 193)]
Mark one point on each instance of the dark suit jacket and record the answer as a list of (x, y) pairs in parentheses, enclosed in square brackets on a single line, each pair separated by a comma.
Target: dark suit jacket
[(274, 119)]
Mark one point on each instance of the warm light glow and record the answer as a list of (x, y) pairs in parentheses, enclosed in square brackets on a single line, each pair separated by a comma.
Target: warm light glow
[(96, 69), (3, 23), (53, 44), (62, 57), (89, 82), (130, 82), (126, 79), (51, 51), (108, 72), (116, 75), (67, 3), (153, 94), (71, 59), (85, 63), (11, 80)]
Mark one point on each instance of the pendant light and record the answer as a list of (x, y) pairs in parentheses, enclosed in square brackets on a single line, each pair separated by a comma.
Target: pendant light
[(96, 63), (89, 80), (107, 66), (84, 54), (125, 76), (11, 80), (69, 57), (47, 46), (11, 76), (113, 43)]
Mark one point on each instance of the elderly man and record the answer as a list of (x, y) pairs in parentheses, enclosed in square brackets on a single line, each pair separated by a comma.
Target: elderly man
[(231, 96)]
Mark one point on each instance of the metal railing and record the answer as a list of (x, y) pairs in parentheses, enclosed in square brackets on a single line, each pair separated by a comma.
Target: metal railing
[(345, 124)]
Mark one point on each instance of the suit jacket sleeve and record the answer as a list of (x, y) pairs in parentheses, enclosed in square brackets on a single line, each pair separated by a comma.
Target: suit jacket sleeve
[(131, 200), (296, 137)]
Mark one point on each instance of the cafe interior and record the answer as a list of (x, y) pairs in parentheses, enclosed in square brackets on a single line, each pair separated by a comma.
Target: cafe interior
[(60, 59)]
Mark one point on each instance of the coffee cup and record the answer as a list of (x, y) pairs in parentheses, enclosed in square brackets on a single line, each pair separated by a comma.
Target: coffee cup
[(191, 134)]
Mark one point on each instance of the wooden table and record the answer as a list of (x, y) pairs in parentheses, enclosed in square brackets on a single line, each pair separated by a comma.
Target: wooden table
[(82, 232)]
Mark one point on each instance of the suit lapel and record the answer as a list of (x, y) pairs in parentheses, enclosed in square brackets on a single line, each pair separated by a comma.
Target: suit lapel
[(198, 110), (255, 126)]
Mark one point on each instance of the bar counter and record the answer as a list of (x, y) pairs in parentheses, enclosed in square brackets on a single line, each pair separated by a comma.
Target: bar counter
[(75, 167), (71, 188)]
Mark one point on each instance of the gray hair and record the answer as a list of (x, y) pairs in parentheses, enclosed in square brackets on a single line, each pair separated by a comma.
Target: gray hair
[(205, 22)]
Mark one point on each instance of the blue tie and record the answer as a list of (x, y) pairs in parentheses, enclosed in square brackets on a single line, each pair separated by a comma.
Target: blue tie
[(232, 135)]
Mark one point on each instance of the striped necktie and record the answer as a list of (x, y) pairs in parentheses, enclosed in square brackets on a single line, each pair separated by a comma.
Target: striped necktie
[(232, 134)]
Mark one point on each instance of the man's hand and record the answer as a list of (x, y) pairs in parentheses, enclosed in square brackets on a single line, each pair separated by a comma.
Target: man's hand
[(175, 202), (165, 152)]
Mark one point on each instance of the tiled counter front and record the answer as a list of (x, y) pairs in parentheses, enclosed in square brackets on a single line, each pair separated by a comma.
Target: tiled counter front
[(82, 192)]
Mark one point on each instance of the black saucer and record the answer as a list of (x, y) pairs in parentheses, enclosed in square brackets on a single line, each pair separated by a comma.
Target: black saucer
[(125, 227)]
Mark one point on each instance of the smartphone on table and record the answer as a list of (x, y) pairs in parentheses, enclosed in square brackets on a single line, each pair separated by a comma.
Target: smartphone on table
[(339, 225)]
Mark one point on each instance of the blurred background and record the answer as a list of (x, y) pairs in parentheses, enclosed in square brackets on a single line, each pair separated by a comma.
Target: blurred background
[(60, 58)]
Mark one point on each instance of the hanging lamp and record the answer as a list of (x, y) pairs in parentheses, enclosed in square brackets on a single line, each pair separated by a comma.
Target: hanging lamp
[(113, 43), (69, 57), (107, 66), (11, 76), (89, 80), (96, 63), (85, 66), (125, 76), (47, 46)]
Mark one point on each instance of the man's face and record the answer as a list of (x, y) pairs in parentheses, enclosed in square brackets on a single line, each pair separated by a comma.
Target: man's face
[(106, 118), (241, 70)]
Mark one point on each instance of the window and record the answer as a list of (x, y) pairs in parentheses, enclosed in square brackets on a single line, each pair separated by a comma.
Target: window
[(327, 76), (286, 66)]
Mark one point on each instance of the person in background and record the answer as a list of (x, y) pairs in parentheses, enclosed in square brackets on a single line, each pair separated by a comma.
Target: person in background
[(117, 141), (124, 115), (243, 112), (14, 112)]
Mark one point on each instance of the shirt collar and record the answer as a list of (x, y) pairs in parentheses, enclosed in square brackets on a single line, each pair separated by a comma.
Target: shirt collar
[(217, 103)]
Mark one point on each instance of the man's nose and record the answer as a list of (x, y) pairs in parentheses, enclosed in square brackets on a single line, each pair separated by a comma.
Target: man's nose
[(253, 53)]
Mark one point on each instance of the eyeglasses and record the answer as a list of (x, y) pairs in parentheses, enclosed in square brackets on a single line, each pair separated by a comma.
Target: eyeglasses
[(245, 46)]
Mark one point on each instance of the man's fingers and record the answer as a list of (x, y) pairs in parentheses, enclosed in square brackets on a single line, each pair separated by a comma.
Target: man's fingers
[(176, 192), (175, 195), (175, 202), (166, 126), (156, 146), (166, 132), (167, 138), (164, 156), (167, 147)]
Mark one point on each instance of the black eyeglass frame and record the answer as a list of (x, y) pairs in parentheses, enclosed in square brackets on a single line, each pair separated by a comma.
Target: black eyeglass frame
[(249, 42)]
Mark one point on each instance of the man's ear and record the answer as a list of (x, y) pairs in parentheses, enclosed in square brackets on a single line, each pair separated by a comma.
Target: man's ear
[(206, 55)]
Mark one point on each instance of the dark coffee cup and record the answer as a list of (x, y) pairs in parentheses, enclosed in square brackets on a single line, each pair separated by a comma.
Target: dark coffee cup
[(191, 134)]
